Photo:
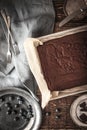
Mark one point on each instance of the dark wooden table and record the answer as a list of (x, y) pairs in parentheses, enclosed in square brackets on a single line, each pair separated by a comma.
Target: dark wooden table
[(56, 115)]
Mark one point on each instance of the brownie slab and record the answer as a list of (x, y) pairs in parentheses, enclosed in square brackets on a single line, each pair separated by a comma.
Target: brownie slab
[(64, 61)]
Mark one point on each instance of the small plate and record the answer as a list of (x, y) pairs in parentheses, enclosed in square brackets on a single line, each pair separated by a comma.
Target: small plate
[(18, 110), (78, 111)]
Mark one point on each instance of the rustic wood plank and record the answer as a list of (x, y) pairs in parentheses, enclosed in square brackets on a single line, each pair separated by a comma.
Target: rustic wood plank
[(64, 122)]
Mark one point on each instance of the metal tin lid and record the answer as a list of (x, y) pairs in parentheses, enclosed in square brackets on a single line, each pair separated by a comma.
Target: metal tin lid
[(18, 110)]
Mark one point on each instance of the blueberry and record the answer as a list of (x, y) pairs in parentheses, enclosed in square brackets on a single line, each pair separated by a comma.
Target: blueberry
[(16, 118)]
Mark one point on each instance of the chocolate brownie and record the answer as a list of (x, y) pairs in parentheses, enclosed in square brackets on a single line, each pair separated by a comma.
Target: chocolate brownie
[(64, 61)]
